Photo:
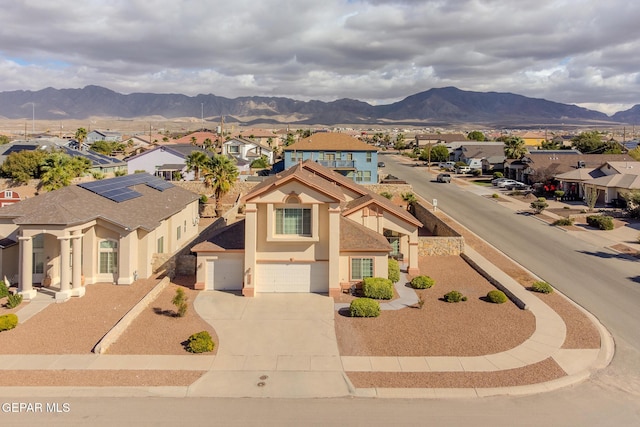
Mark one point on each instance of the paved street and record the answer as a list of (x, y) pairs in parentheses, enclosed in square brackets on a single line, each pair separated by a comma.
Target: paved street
[(599, 279)]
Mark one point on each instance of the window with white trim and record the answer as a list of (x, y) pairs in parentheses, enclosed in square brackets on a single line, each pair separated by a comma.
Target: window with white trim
[(178, 232), (293, 221), (108, 256), (361, 268), (160, 245)]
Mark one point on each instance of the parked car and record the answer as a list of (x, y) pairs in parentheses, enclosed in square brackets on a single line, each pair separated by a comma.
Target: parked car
[(380, 164), (463, 169), (496, 181), (443, 177), (517, 186), (447, 165), (503, 184)]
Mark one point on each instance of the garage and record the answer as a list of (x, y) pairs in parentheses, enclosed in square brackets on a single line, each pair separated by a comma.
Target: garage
[(293, 277), (225, 274)]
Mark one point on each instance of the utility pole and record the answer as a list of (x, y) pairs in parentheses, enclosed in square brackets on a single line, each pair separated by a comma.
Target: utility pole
[(202, 116), (33, 118)]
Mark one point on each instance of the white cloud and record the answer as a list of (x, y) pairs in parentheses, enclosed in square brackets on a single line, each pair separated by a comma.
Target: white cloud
[(578, 51)]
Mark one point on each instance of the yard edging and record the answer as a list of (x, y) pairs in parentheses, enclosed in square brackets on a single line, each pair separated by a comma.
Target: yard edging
[(122, 325)]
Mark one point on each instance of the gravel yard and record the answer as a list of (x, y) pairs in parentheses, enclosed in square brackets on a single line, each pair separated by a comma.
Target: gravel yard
[(471, 328)]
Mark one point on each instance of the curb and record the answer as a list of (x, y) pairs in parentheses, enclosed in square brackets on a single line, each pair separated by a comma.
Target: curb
[(119, 328)]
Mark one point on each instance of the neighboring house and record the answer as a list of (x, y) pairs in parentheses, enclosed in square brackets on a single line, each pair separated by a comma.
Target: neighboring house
[(103, 135), (164, 161), (9, 197), (550, 163), (99, 162), (307, 229), (342, 153), (531, 138), (100, 231), (425, 139), (610, 179), (261, 136), (199, 138), (247, 150), (474, 155)]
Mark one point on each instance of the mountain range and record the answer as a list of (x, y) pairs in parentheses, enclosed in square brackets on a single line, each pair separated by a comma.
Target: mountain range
[(434, 107)]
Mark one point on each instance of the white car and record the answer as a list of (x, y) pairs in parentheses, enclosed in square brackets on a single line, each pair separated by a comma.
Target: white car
[(503, 184)]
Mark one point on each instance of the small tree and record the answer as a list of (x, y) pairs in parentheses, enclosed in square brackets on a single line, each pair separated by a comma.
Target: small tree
[(591, 194), (539, 205), (180, 301)]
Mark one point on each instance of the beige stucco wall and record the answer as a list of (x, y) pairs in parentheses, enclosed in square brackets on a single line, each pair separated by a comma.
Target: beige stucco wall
[(380, 264)]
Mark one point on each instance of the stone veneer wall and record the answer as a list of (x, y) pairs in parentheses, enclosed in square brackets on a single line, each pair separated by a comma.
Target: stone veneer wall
[(444, 240)]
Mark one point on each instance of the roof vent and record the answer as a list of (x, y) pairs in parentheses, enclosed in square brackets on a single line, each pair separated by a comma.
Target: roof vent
[(581, 164)]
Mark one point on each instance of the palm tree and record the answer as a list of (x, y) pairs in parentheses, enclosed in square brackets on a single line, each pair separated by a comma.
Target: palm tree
[(220, 174), (514, 147), (81, 134), (196, 161)]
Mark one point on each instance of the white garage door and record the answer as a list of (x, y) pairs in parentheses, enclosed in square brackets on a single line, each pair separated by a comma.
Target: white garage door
[(225, 274), (293, 277)]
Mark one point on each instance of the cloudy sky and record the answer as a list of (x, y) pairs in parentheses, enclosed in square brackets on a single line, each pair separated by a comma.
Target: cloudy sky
[(582, 52)]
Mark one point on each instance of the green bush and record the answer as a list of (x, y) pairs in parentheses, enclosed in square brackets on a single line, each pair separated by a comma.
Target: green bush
[(8, 321), (476, 172), (454, 296), (377, 288), (497, 175), (394, 270), (386, 195), (539, 205), (13, 300), (495, 195), (200, 342), (559, 194), (422, 282), (497, 297), (4, 290), (180, 301), (603, 222), (542, 287), (204, 199), (364, 307), (563, 221)]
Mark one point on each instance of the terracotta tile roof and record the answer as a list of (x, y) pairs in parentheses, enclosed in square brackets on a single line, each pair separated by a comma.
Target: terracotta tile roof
[(355, 237), (75, 205), (199, 136), (298, 173), (227, 239), (330, 141)]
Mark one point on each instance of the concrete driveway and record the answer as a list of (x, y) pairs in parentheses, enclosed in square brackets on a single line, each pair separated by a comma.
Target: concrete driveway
[(275, 345)]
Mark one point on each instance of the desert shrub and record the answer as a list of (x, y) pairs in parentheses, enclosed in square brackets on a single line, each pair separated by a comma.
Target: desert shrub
[(476, 172), (204, 198), (377, 288), (539, 205), (454, 296), (542, 287), (603, 222), (559, 194), (180, 301), (13, 300), (8, 321), (4, 290), (386, 195), (364, 307), (394, 270), (120, 172), (422, 282), (409, 197), (497, 297), (200, 342), (563, 221), (497, 175), (516, 193), (495, 195)]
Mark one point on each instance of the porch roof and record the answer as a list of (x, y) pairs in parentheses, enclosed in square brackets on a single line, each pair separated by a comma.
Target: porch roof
[(624, 181), (358, 238)]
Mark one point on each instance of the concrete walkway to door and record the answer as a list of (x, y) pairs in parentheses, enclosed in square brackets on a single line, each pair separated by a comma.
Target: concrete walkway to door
[(272, 345)]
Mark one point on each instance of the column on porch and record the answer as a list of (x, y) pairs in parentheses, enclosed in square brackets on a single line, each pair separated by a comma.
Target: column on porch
[(250, 242), (414, 268), (25, 286), (65, 270), (334, 251), (77, 290), (127, 257)]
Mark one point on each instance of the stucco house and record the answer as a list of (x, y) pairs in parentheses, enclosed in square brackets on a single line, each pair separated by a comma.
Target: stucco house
[(103, 135), (307, 229), (610, 179), (164, 161), (100, 231), (247, 150), (342, 153)]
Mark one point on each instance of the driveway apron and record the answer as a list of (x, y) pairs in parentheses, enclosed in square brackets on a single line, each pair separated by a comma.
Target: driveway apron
[(272, 345)]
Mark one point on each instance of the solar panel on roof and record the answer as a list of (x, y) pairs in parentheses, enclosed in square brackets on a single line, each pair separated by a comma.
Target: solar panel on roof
[(17, 148), (118, 189)]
